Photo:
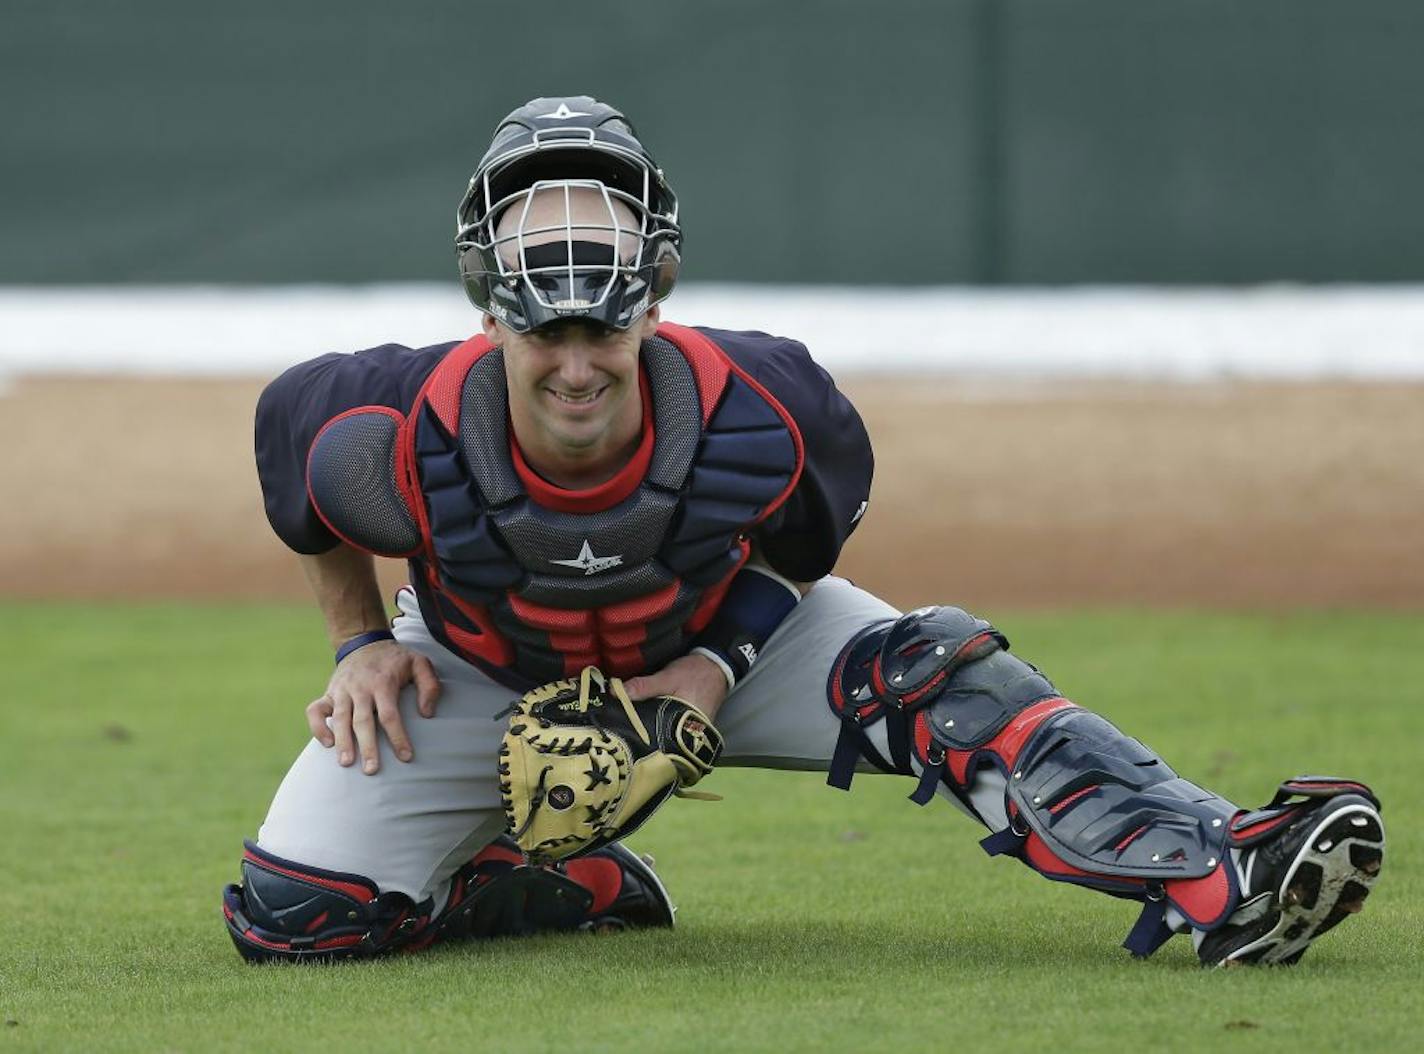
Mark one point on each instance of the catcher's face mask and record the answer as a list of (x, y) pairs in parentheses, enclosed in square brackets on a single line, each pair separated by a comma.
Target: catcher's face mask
[(568, 248), (533, 250)]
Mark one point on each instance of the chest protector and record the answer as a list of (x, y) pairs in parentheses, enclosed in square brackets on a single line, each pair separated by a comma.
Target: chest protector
[(533, 587)]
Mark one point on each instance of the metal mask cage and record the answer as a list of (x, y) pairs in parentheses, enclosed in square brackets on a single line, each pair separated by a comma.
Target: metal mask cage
[(580, 282), (514, 266)]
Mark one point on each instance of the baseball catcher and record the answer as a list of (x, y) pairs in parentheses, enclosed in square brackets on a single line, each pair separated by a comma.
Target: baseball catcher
[(630, 527)]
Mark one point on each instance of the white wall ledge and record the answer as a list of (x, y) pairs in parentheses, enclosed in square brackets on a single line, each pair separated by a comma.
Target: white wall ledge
[(1197, 334)]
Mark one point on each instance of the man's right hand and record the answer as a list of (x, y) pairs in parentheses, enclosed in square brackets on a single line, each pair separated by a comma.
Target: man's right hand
[(363, 694)]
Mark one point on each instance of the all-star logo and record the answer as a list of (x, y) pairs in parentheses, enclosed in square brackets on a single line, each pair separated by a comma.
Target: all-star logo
[(563, 113), (588, 563), (748, 651), (859, 513), (694, 736)]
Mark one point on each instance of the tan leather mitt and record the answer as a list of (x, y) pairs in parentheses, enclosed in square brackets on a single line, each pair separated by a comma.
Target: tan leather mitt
[(582, 765)]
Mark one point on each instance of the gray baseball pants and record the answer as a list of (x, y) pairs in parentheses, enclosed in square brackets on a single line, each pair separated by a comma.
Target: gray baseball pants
[(408, 827)]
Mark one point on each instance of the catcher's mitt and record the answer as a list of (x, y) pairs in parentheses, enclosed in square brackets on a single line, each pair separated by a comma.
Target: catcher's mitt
[(582, 765)]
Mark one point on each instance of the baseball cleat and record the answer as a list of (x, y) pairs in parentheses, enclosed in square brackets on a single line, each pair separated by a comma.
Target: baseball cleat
[(642, 898), (1303, 882)]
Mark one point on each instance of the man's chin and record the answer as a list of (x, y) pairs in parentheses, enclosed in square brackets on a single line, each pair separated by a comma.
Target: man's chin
[(577, 439)]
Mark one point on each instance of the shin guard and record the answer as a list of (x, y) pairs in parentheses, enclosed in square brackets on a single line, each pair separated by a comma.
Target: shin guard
[(283, 910), (1082, 802)]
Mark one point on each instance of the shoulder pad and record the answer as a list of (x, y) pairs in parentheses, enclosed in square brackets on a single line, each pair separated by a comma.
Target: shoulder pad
[(352, 475)]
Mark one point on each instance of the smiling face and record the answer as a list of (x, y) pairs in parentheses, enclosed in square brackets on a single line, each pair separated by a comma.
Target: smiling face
[(574, 399)]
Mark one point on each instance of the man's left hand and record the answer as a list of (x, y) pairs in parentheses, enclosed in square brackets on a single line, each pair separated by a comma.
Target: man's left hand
[(694, 679)]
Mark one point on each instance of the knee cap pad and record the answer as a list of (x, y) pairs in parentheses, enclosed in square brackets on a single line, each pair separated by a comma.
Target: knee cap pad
[(952, 667), (286, 910), (978, 701)]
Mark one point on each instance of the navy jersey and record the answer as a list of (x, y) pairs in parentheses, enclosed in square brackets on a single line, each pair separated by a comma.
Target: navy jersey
[(802, 540)]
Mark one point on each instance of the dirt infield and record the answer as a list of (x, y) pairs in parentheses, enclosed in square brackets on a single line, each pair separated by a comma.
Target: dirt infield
[(1238, 495)]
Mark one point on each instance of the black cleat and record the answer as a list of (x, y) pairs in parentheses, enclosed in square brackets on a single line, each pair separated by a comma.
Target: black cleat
[(642, 898), (1301, 882)]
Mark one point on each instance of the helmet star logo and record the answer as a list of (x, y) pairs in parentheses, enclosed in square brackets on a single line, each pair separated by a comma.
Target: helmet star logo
[(563, 113), (588, 563)]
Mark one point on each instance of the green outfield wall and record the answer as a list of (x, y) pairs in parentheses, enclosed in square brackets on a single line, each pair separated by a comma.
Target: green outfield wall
[(900, 141)]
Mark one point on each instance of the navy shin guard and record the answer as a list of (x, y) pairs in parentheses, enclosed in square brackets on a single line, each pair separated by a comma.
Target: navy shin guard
[(1082, 802), (284, 910)]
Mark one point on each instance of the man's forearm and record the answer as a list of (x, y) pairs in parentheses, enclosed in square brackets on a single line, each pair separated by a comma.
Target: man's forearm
[(343, 581)]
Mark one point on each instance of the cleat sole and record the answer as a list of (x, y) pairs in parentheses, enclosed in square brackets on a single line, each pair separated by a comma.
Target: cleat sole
[(1327, 882)]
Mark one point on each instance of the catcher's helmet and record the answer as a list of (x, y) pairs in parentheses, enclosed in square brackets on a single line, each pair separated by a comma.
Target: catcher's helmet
[(611, 263)]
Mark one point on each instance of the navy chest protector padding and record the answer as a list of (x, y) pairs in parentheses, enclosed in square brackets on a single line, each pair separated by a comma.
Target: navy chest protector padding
[(532, 540), (490, 545)]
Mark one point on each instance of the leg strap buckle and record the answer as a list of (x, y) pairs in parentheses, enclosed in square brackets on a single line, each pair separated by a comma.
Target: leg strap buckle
[(1150, 931)]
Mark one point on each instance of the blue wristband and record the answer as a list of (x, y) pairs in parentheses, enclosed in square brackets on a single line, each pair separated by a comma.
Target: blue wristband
[(361, 640), (757, 602)]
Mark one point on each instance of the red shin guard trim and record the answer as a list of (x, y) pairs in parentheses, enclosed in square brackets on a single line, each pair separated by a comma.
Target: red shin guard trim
[(600, 876), (922, 736), (338, 942), (495, 851), (1255, 831), (1010, 740), (283, 946), (1312, 787), (351, 889), (457, 893), (1043, 860), (1058, 807), (251, 935), (877, 682), (395, 926), (909, 701), (1204, 901), (1129, 839)]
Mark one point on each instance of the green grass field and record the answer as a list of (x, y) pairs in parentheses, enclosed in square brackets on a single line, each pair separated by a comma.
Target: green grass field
[(139, 745)]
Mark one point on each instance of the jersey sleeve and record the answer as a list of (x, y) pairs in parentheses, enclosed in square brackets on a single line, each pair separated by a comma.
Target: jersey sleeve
[(293, 408), (803, 540)]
